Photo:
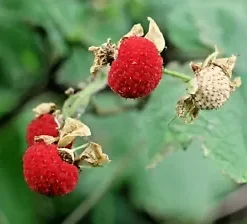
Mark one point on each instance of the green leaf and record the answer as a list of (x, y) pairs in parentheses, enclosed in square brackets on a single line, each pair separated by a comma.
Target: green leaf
[(82, 24), (154, 126), (19, 56), (14, 191), (58, 21), (9, 100), (77, 68), (185, 186), (19, 60), (220, 129), (105, 211), (197, 26), (110, 21)]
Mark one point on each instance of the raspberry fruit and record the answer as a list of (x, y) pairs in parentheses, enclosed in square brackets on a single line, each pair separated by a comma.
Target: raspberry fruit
[(46, 173), (214, 88), (210, 88), (43, 125), (137, 70)]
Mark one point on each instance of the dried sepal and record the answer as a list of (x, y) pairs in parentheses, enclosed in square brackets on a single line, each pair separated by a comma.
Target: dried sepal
[(103, 55), (44, 108), (93, 156), (186, 110), (235, 83), (67, 155), (136, 30), (72, 128), (154, 35), (226, 64), (59, 119), (46, 138), (195, 67)]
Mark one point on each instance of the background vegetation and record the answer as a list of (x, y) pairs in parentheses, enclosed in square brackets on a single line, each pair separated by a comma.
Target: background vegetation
[(43, 50)]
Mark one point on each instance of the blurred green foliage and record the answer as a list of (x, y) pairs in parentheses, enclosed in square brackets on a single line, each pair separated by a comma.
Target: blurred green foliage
[(43, 49)]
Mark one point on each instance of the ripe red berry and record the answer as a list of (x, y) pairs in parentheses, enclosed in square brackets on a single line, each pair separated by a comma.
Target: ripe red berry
[(46, 173), (43, 125), (137, 70)]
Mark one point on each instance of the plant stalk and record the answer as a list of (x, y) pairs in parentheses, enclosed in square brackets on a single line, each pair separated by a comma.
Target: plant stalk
[(179, 75), (79, 147)]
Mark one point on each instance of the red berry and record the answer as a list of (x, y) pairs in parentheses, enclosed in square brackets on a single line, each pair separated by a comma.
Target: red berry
[(137, 70), (43, 125), (46, 173)]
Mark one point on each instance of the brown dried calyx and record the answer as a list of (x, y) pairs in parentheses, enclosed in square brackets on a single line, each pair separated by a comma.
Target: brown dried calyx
[(103, 55), (68, 130), (45, 108), (210, 88), (71, 129), (92, 156)]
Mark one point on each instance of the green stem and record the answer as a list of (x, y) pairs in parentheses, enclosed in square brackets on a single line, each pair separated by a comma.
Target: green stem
[(181, 76)]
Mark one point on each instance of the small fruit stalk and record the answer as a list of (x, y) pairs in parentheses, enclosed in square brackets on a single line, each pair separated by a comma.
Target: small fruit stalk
[(50, 166), (210, 88)]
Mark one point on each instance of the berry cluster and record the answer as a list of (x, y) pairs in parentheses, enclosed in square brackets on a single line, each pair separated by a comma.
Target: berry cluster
[(50, 167), (44, 170)]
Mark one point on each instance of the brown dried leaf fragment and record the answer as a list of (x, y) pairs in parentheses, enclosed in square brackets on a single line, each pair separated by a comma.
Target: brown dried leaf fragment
[(72, 128), (67, 155), (59, 119), (103, 56), (44, 108), (46, 138), (235, 83), (186, 110), (93, 156)]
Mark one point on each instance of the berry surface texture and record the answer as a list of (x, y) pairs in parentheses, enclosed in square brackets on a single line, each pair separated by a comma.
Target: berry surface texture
[(43, 125), (46, 173), (137, 70)]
